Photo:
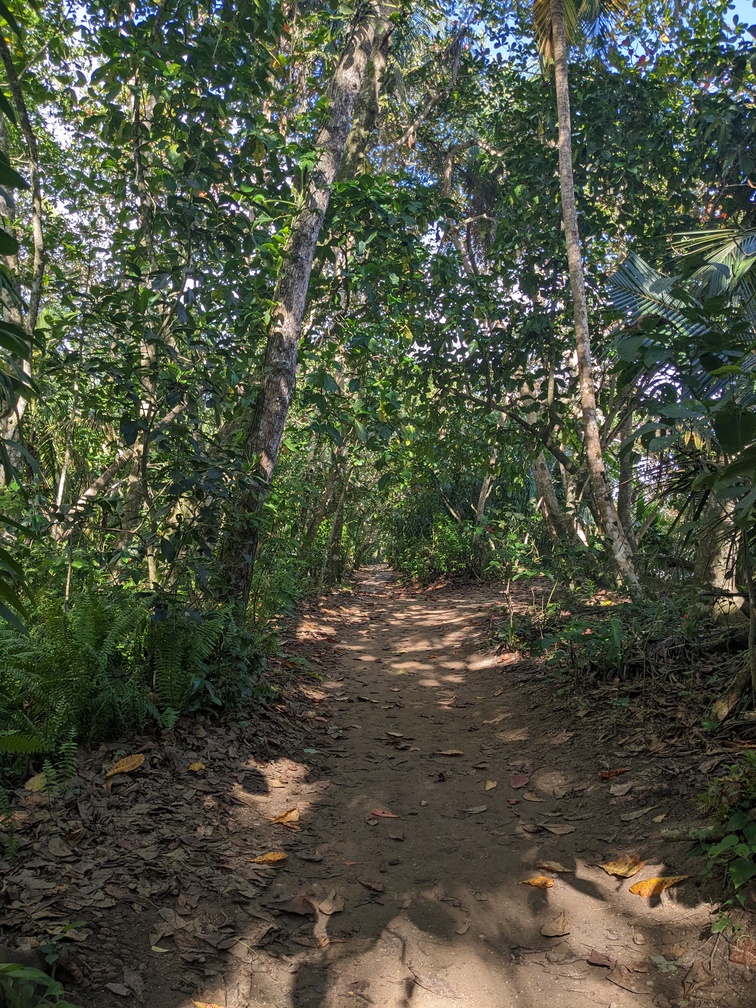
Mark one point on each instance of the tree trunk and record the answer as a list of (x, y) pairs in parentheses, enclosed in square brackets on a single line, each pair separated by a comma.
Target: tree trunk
[(714, 567), (557, 522), (266, 430), (627, 483), (610, 523)]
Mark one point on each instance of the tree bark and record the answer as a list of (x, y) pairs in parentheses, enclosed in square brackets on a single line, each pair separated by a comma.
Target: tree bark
[(263, 440), (610, 523)]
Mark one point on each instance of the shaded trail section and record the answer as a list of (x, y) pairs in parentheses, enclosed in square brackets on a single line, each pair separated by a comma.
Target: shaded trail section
[(423, 779)]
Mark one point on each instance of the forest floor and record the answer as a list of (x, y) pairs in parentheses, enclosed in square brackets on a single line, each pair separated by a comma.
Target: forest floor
[(421, 777)]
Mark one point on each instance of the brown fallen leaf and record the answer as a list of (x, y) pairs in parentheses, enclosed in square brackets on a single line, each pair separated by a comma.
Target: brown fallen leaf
[(619, 790), (206, 1004), (553, 866), (696, 977), (531, 796), (474, 810), (660, 818), (463, 928), (518, 780), (383, 814), (627, 979), (539, 881), (301, 905), (373, 886), (126, 765), (270, 857), (196, 767), (490, 785), (395, 835), (448, 752), (743, 951), (289, 819), (333, 903), (623, 867), (559, 829), (597, 958), (629, 816), (654, 886), (36, 783), (556, 928), (608, 774)]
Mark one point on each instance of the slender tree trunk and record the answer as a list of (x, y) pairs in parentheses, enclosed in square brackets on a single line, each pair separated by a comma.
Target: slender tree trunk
[(558, 523), (610, 523), (627, 483), (266, 430)]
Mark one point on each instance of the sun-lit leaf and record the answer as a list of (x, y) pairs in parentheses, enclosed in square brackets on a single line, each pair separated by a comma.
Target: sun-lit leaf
[(623, 867), (490, 785), (289, 819), (126, 765), (654, 886), (554, 866), (270, 857), (196, 767), (538, 881), (36, 783)]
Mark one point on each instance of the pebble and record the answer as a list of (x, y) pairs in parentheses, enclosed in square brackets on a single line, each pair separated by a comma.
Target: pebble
[(639, 939)]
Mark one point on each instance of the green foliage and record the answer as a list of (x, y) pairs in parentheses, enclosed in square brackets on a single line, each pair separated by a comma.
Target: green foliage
[(26, 987), (731, 801)]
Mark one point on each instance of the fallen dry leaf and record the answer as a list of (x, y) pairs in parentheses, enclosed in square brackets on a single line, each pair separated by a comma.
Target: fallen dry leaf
[(296, 904), (654, 886), (490, 785), (270, 857), (448, 752), (373, 886), (118, 988), (539, 881), (36, 783), (559, 829), (518, 780), (743, 951), (289, 819), (553, 866), (627, 979), (126, 765), (629, 816), (333, 903), (434, 984), (556, 928), (608, 774), (623, 867), (619, 790), (475, 810), (660, 818), (383, 814), (597, 958), (206, 1004), (196, 767), (157, 948), (531, 796)]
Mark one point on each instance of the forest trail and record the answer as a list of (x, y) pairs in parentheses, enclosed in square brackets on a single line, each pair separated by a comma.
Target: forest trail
[(416, 716)]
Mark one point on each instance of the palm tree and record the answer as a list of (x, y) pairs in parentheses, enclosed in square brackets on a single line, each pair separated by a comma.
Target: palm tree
[(556, 24)]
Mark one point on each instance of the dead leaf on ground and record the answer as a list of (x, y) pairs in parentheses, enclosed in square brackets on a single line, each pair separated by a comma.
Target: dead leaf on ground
[(696, 977), (660, 818), (118, 988), (270, 857), (383, 814), (608, 774), (333, 903), (206, 1004), (448, 752), (463, 928), (518, 780), (627, 979), (629, 816), (597, 958), (532, 796), (36, 783), (196, 767), (556, 928), (620, 790), (559, 829), (743, 951), (126, 765), (623, 867), (553, 866), (654, 886), (395, 835), (475, 810), (301, 905), (289, 819), (373, 886), (539, 881), (490, 785)]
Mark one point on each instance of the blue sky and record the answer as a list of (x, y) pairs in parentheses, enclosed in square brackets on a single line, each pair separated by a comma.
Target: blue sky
[(745, 10)]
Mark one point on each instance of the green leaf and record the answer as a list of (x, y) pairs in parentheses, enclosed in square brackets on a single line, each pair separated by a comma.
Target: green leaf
[(8, 244), (741, 871)]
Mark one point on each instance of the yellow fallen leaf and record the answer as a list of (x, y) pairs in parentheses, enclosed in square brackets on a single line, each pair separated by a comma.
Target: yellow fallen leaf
[(36, 783), (654, 886), (490, 785), (196, 767), (271, 857), (206, 1004), (553, 866), (289, 819), (126, 765), (624, 867), (156, 948), (660, 818), (539, 881)]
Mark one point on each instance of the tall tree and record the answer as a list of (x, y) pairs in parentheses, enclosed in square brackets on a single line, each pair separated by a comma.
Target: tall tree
[(556, 24), (265, 431)]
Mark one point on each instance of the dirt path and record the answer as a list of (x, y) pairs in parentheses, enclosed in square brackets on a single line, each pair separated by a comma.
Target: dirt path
[(415, 718)]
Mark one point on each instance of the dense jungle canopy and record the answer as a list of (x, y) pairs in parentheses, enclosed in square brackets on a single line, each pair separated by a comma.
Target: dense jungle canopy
[(292, 288)]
